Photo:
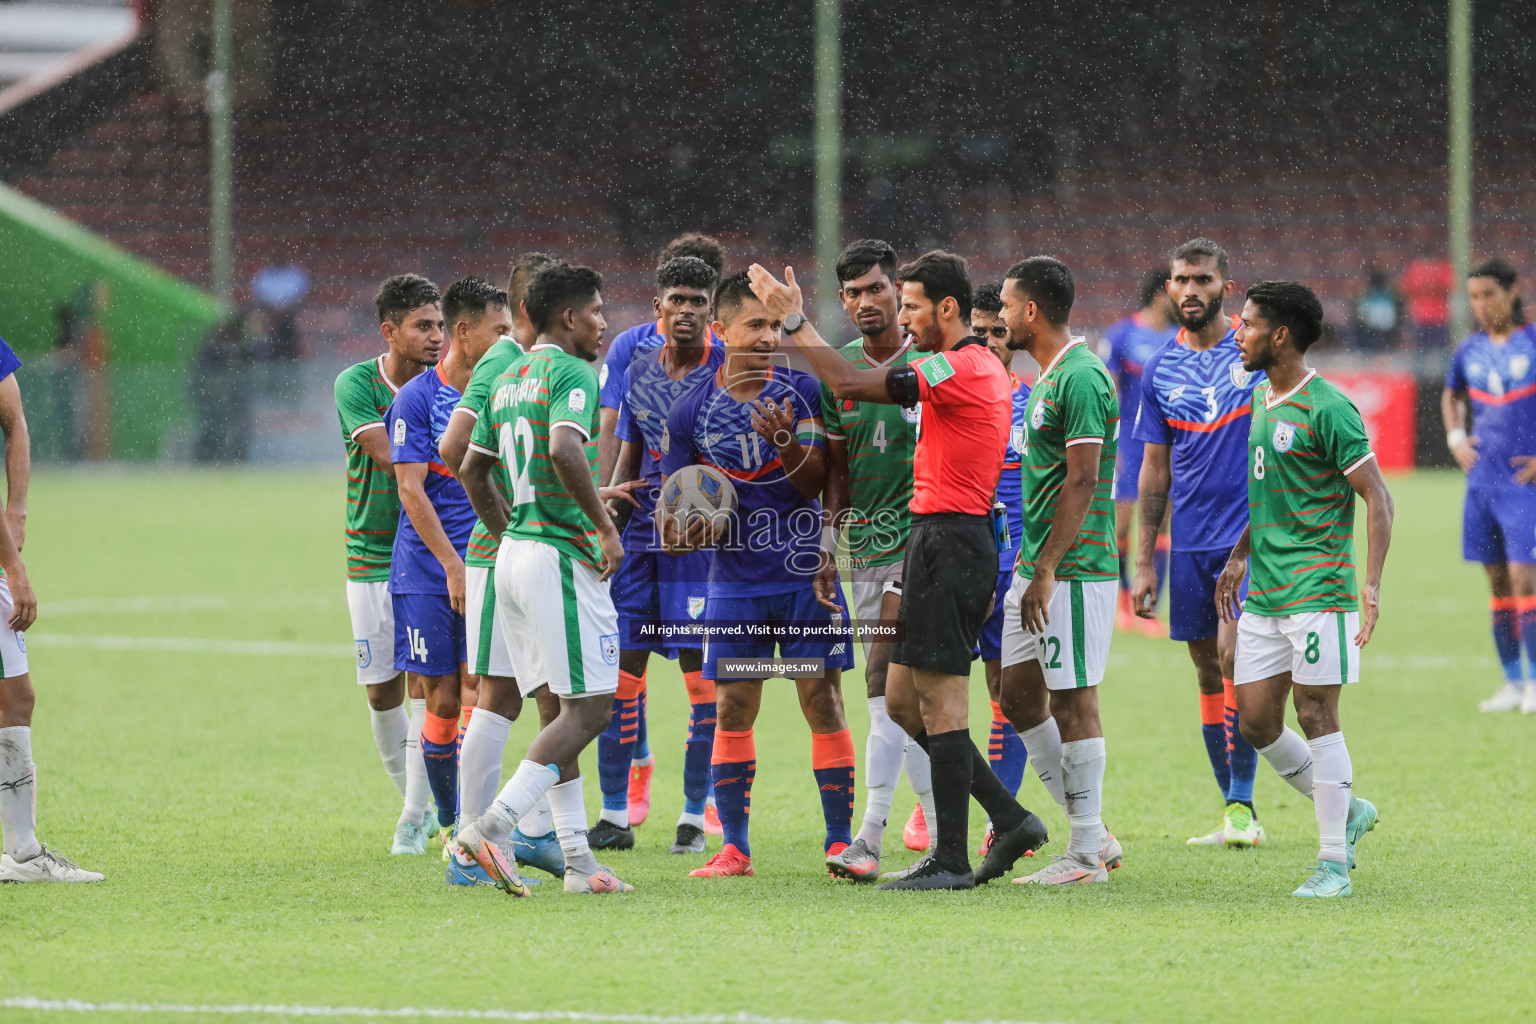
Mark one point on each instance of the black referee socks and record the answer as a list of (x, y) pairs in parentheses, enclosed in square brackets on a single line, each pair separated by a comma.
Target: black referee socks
[(953, 766)]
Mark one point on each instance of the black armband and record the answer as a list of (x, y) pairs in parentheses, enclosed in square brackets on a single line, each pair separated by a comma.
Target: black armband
[(901, 385)]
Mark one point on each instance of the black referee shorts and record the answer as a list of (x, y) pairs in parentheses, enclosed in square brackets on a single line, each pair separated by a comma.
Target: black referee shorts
[(947, 584)]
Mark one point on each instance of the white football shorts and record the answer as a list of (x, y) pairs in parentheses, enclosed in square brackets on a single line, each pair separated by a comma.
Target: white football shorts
[(1074, 646), (373, 630), (13, 646), (870, 585), (1316, 648), (557, 620), (487, 647)]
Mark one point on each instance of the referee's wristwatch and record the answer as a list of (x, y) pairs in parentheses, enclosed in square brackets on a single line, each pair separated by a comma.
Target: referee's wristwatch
[(794, 322)]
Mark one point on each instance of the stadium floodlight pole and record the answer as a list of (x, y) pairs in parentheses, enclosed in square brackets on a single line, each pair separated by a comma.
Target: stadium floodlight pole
[(829, 155), (219, 156), (1459, 119)]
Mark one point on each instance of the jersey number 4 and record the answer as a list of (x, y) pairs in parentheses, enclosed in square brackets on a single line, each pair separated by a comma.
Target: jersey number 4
[(517, 454), (879, 440)]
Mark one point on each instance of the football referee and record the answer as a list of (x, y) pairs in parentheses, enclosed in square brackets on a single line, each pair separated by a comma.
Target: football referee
[(951, 560)]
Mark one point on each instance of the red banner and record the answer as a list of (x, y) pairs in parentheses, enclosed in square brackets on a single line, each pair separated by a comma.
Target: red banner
[(1388, 403)]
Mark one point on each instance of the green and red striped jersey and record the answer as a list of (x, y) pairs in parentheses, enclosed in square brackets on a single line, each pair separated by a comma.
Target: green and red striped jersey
[(363, 397), (1301, 509), (497, 360)]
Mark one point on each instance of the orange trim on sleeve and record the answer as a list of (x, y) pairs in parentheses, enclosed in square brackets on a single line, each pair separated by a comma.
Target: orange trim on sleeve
[(831, 749), (733, 747)]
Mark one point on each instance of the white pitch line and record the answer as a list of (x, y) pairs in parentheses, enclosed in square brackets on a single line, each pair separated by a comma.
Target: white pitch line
[(186, 603), (579, 1017), (191, 645)]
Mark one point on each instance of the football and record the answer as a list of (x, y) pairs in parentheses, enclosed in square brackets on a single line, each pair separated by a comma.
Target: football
[(698, 492)]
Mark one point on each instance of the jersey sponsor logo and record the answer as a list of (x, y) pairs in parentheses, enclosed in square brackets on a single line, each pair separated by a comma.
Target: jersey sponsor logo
[(1285, 433), (642, 414), (1241, 378), (608, 643), (849, 405), (1176, 394), (936, 370), (364, 654), (400, 431), (1037, 416), (576, 401), (695, 607), (710, 440)]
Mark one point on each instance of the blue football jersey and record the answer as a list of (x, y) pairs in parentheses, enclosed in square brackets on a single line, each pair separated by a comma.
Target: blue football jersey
[(774, 544), (9, 361), (1500, 384), (1010, 486), (621, 353), (1126, 348), (648, 395), (416, 422), (1199, 404)]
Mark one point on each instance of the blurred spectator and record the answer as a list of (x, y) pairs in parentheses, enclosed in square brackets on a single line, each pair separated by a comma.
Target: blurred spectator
[(280, 291), (1427, 286), (222, 392), (1377, 314)]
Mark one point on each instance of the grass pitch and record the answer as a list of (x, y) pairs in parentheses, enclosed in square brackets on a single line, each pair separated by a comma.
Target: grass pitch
[(226, 782)]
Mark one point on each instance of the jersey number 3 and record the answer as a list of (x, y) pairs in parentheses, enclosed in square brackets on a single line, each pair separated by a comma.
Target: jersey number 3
[(517, 453)]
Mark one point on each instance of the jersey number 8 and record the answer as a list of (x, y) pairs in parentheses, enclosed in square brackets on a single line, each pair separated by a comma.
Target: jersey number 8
[(1258, 463)]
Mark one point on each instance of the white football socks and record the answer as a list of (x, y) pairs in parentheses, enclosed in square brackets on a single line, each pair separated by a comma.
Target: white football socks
[(1044, 745), (18, 789), (485, 740), (537, 822), (1082, 771), (1332, 776), (418, 792), (524, 789), (390, 727), (1291, 758), (570, 814), (883, 755), (920, 778)]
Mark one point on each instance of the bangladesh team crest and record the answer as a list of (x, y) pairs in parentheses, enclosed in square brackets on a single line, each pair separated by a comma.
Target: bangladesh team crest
[(364, 655), (1285, 434), (1241, 378), (914, 414), (1037, 416), (609, 645)]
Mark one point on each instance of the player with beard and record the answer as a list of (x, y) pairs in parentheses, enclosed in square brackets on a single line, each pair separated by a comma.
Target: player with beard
[(950, 568), (1125, 349), (1193, 421), (644, 338), (653, 586), (869, 489)]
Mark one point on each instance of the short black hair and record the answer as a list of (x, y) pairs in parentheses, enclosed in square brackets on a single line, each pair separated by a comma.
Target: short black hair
[(988, 299), (556, 288), (1292, 306), (1201, 248), (1498, 269), (523, 269), (859, 258), (402, 293), (685, 272), (695, 244), (1155, 283), (730, 293), (473, 296), (943, 275), (1046, 282)]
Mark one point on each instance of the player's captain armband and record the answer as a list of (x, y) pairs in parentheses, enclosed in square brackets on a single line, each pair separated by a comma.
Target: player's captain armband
[(809, 432), (901, 385), (937, 369)]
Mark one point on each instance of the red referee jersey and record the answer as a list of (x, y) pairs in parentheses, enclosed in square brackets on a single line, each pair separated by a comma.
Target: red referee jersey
[(967, 410)]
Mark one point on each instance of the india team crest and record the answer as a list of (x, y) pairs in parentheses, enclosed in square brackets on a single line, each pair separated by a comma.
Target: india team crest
[(1037, 416), (1241, 378), (1518, 365), (1018, 438), (1285, 433), (695, 607), (609, 645)]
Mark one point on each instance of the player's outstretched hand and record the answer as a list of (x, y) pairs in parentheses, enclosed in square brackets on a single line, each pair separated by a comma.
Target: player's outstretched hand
[(613, 551), (1370, 608), (699, 535), (776, 423), (1144, 592), (1525, 468), (1033, 608), (825, 584), (620, 492), (24, 602), (1465, 453), (1228, 585), (780, 298)]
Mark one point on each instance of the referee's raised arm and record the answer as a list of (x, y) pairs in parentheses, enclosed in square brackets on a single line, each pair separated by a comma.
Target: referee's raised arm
[(785, 302)]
